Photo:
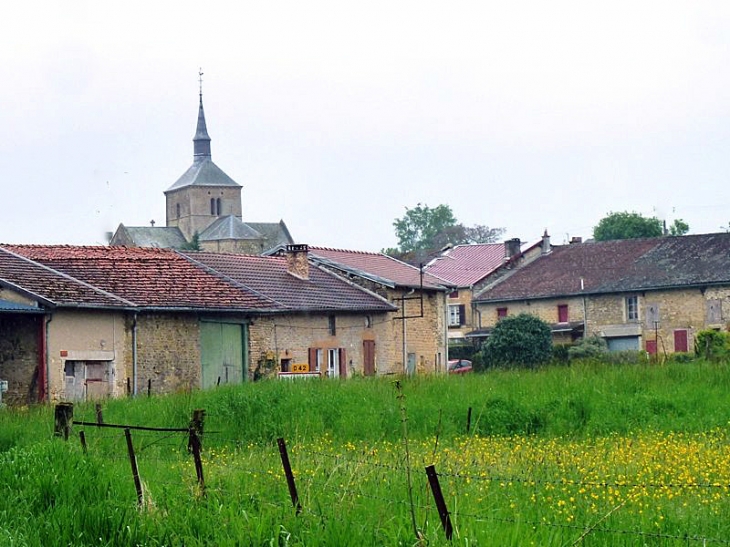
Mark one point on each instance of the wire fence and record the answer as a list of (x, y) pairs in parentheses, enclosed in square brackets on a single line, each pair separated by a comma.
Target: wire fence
[(314, 478)]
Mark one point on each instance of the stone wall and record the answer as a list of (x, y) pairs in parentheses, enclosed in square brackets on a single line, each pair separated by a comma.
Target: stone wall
[(195, 212), (168, 352), (19, 357), (675, 310)]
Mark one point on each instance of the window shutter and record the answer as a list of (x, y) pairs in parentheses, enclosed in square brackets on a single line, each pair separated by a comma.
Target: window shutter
[(343, 363), (462, 314), (312, 359)]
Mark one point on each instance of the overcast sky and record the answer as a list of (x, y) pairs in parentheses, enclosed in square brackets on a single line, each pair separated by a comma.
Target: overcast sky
[(336, 116)]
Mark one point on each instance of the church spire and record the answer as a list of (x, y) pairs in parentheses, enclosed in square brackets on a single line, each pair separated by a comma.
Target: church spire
[(201, 141)]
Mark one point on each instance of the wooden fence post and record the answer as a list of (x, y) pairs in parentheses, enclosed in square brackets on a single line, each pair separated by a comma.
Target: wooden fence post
[(135, 471), (195, 446), (197, 424), (99, 415), (82, 438), (438, 498), (468, 421), (289, 475), (63, 419)]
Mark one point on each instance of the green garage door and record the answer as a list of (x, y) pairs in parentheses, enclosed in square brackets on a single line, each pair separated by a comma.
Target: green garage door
[(623, 343), (223, 353)]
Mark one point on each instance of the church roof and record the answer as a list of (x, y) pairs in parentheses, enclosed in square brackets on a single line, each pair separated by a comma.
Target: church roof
[(203, 172), (229, 227), (276, 233), (166, 237)]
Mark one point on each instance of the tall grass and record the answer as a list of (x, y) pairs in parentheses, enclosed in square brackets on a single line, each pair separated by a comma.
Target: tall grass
[(559, 425)]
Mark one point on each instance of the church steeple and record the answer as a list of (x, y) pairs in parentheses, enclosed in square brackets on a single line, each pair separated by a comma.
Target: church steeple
[(201, 141)]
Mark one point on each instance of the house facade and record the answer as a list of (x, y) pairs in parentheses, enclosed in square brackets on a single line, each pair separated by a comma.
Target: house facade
[(415, 334), (471, 267), (652, 294), (91, 322)]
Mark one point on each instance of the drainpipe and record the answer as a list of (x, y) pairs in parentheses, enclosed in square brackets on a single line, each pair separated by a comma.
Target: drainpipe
[(134, 354), (585, 312)]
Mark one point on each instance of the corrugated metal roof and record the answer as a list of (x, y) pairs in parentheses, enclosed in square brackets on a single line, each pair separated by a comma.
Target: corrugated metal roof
[(7, 306), (465, 265)]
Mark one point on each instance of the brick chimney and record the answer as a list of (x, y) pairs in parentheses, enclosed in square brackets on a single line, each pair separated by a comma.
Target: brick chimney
[(511, 248), (576, 239), (297, 263)]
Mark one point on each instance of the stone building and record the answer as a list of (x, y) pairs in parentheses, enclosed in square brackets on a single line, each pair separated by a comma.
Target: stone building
[(653, 294), (90, 322), (470, 268), (204, 206), (415, 333)]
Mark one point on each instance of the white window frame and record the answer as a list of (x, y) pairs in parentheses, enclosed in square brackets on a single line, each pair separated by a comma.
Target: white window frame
[(333, 363), (632, 308), (454, 319)]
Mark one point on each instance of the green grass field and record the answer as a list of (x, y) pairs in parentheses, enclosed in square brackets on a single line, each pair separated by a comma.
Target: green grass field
[(589, 454)]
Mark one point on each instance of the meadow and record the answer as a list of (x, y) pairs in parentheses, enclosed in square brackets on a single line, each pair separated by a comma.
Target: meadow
[(587, 454)]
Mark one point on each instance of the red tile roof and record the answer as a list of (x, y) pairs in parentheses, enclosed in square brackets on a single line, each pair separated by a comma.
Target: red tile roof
[(465, 265), (323, 291), (377, 267), (49, 286), (144, 276), (620, 266)]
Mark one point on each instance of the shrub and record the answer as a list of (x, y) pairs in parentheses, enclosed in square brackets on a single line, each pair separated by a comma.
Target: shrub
[(522, 340), (712, 345), (626, 357), (588, 348), (561, 355)]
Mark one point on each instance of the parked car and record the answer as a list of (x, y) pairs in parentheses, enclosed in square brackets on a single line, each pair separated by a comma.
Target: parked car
[(459, 366)]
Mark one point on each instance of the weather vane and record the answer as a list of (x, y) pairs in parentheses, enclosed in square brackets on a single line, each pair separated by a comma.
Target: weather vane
[(200, 80)]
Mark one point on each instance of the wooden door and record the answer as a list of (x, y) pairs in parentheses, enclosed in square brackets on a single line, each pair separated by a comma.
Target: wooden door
[(368, 359), (222, 353), (680, 341)]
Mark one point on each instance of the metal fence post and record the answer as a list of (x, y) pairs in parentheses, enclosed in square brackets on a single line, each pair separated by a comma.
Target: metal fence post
[(438, 497), (289, 475)]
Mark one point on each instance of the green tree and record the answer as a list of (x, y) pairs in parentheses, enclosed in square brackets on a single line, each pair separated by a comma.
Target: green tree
[(423, 230), (519, 340), (193, 244), (627, 225), (679, 227)]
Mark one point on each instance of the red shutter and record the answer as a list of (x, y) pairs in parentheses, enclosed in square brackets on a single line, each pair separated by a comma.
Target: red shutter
[(680, 340), (562, 313), (312, 359), (343, 363), (368, 351), (651, 347)]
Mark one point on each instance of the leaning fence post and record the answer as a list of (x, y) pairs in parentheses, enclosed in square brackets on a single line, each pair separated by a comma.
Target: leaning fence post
[(82, 438), (438, 497), (195, 446), (99, 415), (197, 423), (135, 471), (289, 475), (63, 418), (468, 421)]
